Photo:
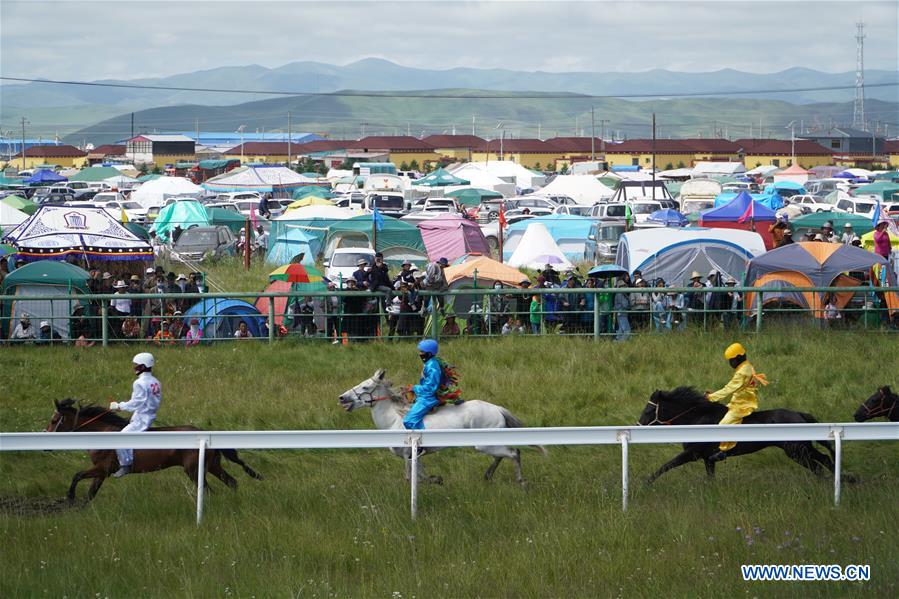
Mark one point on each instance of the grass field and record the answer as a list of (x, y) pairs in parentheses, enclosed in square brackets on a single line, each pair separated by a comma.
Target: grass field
[(336, 523)]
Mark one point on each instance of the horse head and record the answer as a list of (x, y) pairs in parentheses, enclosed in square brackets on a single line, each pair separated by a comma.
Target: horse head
[(366, 393), (883, 403), (71, 415), (665, 407), (65, 410)]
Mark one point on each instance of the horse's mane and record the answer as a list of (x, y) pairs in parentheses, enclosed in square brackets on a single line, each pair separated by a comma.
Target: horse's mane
[(397, 396), (685, 396), (89, 411)]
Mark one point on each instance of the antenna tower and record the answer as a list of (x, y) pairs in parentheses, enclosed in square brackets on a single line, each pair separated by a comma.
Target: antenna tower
[(858, 111)]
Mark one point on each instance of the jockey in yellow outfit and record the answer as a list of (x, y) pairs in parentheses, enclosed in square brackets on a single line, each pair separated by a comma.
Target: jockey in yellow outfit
[(742, 391)]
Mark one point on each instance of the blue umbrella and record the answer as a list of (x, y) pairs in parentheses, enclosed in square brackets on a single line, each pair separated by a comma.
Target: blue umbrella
[(606, 271), (668, 217)]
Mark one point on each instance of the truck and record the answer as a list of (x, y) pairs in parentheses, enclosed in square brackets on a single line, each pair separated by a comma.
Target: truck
[(698, 194)]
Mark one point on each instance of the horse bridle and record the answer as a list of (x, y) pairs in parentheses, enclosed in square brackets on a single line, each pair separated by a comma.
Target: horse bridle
[(371, 397), (75, 425), (880, 408), (656, 420)]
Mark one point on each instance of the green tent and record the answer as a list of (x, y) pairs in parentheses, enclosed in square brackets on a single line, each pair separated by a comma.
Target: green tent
[(138, 230), (146, 178), (883, 189), (312, 190), (233, 220), (393, 234), (183, 213), (673, 187), (888, 176), (860, 224), (96, 173), (610, 182), (11, 182), (21, 204), (474, 196), (440, 178), (45, 278)]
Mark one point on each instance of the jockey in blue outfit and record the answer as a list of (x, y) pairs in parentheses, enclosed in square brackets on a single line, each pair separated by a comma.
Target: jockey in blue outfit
[(425, 391)]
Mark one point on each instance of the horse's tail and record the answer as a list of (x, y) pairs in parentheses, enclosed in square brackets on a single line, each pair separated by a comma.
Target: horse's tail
[(825, 444), (513, 422), (231, 456)]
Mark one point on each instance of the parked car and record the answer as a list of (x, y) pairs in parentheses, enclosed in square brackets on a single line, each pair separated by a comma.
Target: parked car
[(229, 206), (56, 198), (133, 210), (202, 243), (108, 196), (641, 209), (491, 229), (574, 209), (609, 210), (605, 235), (82, 190), (810, 203), (530, 202), (341, 264), (863, 206)]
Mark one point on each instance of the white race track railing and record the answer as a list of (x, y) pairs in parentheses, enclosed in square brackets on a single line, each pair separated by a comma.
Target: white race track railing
[(357, 439)]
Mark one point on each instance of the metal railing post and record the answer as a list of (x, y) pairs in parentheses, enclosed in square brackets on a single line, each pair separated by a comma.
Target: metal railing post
[(596, 335), (758, 314), (624, 437), (435, 325), (413, 459), (838, 463), (271, 319), (201, 480), (104, 323)]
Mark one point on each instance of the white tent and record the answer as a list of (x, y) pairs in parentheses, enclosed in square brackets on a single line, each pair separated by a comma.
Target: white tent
[(763, 170), (10, 217), (481, 179), (277, 180), (583, 189), (156, 192), (794, 174), (121, 181), (307, 212), (513, 172), (717, 169), (537, 249)]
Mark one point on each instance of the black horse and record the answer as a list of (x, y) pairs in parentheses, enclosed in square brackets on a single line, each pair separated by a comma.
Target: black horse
[(883, 403), (686, 405)]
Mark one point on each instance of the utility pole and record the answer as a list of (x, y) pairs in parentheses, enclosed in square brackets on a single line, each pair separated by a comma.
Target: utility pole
[(858, 109), (592, 135), (653, 155), (197, 129), (363, 129), (23, 143), (602, 137), (472, 125), (288, 139), (792, 126)]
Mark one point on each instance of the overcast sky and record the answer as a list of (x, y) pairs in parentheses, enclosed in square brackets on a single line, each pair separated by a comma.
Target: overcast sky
[(123, 40)]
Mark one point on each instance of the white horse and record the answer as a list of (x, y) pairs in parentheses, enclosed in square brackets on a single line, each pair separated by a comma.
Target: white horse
[(388, 408)]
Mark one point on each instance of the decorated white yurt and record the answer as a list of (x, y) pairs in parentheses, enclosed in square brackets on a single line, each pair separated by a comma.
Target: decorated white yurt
[(279, 181), (154, 193)]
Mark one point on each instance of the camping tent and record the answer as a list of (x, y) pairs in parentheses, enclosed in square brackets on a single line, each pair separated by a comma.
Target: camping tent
[(314, 220), (10, 217), (45, 278), (522, 177), (279, 181), (583, 189), (570, 233), (860, 224), (537, 249), (45, 177), (440, 178), (397, 239), (885, 190), (794, 173), (479, 272), (451, 236), (472, 196), (220, 317), (56, 232), (95, 173), (221, 216), (309, 200), (292, 241), (156, 191), (812, 264), (20, 203), (477, 175), (262, 304), (671, 254), (183, 213), (742, 212), (319, 191)]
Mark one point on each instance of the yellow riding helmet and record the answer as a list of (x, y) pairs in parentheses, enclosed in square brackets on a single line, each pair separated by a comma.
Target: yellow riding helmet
[(733, 350)]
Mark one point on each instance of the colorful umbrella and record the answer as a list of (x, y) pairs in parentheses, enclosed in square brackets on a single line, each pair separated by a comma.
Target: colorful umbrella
[(304, 278)]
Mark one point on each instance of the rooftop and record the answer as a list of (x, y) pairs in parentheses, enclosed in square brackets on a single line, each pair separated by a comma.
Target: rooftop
[(392, 142), (63, 151)]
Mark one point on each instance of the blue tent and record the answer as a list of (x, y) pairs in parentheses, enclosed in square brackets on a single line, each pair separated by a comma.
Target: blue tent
[(44, 176), (570, 233), (290, 242), (219, 318), (668, 217), (771, 200), (791, 185), (742, 204)]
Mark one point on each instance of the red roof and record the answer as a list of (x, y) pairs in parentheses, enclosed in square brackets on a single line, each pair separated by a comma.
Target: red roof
[(645, 146), (392, 142), (576, 144), (454, 141), (782, 147), (518, 146), (109, 150), (63, 151), (712, 145), (262, 148), (323, 145), (891, 146)]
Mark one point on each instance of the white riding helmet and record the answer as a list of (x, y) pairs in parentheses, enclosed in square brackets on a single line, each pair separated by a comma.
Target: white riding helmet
[(144, 359)]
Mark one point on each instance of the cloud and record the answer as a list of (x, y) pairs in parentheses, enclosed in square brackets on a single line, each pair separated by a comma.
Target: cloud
[(147, 39)]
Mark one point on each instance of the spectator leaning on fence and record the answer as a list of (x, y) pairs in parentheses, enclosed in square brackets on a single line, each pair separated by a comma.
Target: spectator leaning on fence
[(536, 317), (622, 305), (882, 242), (24, 331)]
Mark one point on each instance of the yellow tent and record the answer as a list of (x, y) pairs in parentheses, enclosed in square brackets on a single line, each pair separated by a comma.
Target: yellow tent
[(309, 200), (868, 241), (487, 270)]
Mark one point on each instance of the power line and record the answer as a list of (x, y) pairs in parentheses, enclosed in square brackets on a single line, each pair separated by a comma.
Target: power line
[(482, 96)]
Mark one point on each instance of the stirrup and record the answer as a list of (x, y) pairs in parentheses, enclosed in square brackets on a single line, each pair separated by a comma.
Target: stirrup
[(122, 471), (718, 456)]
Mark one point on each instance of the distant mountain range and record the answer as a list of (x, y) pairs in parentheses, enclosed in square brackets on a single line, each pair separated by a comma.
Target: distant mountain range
[(53, 108)]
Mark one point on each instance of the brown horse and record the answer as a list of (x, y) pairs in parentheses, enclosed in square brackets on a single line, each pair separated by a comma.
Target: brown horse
[(70, 416)]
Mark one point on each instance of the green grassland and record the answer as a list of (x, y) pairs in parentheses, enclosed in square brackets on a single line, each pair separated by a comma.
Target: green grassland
[(336, 523)]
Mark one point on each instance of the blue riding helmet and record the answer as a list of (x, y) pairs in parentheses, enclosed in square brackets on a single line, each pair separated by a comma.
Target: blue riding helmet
[(428, 346)]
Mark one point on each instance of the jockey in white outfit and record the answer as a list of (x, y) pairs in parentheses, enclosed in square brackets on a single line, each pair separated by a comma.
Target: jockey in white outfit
[(146, 395)]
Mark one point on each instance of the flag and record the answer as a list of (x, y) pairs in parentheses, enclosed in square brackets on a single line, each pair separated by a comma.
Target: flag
[(875, 218), (749, 213), (628, 217), (377, 219), (124, 216), (502, 215)]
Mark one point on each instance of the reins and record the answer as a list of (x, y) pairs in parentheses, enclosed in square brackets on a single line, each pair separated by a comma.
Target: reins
[(880, 408), (656, 420), (86, 422)]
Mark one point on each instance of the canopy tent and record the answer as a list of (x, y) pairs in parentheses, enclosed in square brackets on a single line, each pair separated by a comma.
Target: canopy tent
[(155, 192), (10, 217), (290, 242), (121, 181), (20, 203), (813, 264), (150, 177), (472, 196), (787, 185), (313, 190), (667, 217), (479, 272), (742, 212), (440, 178), (451, 236), (570, 233), (398, 240), (887, 176), (228, 218), (824, 172), (522, 177), (583, 189), (45, 177), (815, 220), (763, 170), (868, 240), (183, 213), (885, 190), (279, 181), (537, 249), (57, 232), (95, 173), (672, 254), (220, 317), (45, 279), (309, 200), (478, 176), (794, 174), (772, 200)]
